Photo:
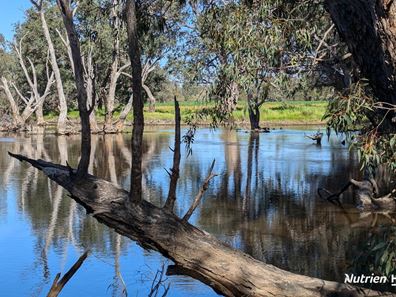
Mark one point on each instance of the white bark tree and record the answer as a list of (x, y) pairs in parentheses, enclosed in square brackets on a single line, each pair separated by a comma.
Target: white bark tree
[(62, 119)]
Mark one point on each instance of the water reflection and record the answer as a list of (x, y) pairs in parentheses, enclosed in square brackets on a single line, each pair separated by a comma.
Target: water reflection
[(263, 201)]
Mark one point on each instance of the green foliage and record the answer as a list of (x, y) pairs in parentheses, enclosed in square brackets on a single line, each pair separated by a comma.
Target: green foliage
[(355, 109), (378, 254)]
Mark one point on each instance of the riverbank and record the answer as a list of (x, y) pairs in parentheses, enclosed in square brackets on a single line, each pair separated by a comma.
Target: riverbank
[(273, 114)]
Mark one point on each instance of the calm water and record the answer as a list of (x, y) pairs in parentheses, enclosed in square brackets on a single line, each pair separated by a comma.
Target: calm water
[(263, 202)]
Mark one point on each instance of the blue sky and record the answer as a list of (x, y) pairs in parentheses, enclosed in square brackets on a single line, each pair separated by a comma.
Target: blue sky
[(11, 12)]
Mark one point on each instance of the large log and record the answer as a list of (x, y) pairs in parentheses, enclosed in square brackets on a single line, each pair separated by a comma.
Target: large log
[(196, 253)]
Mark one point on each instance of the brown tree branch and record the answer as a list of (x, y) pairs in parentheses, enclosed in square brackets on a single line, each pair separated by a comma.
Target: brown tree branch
[(174, 176), (57, 286), (202, 190)]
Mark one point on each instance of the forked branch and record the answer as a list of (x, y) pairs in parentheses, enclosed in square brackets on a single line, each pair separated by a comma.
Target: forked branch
[(202, 190)]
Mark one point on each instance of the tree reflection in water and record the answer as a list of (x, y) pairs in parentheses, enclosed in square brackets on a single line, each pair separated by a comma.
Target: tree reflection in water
[(264, 200)]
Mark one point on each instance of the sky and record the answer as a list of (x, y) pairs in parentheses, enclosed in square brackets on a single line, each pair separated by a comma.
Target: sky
[(11, 12)]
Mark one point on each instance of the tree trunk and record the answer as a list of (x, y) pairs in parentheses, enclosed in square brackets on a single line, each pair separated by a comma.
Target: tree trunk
[(62, 119), (254, 116), (119, 125), (91, 92), (151, 98), (39, 115), (138, 118), (196, 253), (369, 30), (18, 121), (67, 15), (114, 74)]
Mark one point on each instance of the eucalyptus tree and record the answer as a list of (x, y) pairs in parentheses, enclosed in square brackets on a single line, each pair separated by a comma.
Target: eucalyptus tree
[(369, 102), (62, 118), (250, 49)]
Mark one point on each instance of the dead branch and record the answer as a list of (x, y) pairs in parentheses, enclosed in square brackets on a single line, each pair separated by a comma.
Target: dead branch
[(317, 137), (174, 176), (202, 190), (57, 286)]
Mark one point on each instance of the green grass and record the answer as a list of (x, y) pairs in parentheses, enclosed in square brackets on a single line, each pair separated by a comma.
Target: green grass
[(291, 112)]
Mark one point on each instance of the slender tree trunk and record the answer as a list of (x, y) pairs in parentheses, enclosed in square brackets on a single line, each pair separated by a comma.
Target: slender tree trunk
[(119, 125), (62, 119), (369, 30), (110, 98), (114, 74), (138, 118), (170, 202), (254, 112), (67, 15), (151, 98), (91, 93)]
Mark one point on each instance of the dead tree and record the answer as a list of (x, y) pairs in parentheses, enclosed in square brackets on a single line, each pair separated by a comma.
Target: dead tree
[(62, 119), (33, 83), (33, 102), (365, 195), (174, 175)]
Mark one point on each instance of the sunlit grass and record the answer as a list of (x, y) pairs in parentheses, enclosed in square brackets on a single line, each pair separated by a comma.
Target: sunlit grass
[(271, 112)]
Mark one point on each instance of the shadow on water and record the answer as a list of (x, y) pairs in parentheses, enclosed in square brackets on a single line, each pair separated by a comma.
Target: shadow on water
[(263, 202)]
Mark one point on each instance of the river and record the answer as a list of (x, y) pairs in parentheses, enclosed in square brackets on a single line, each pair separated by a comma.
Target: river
[(263, 201)]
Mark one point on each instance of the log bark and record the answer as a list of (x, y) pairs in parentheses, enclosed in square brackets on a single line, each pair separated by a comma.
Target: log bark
[(195, 253), (369, 30)]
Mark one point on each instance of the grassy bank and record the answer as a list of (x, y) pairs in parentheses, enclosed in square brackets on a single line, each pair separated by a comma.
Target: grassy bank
[(275, 113)]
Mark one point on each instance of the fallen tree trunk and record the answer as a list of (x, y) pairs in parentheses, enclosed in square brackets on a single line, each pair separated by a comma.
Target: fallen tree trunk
[(196, 253)]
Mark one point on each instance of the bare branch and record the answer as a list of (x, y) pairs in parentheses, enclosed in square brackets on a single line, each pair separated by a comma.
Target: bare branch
[(170, 201), (202, 190), (57, 286), (19, 93)]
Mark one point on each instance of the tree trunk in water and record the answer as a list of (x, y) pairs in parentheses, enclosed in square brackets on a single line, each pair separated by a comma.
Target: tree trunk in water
[(39, 115), (67, 15), (138, 118), (196, 253), (62, 119), (254, 117), (369, 30)]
